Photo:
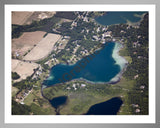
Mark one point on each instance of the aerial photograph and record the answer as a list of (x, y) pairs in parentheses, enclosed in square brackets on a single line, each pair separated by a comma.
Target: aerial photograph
[(80, 63)]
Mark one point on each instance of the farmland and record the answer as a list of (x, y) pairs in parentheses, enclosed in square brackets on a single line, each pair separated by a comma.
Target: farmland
[(20, 18), (26, 42), (43, 48), (24, 69), (25, 17)]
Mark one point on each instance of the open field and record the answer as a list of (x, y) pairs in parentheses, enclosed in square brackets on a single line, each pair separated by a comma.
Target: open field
[(20, 18), (43, 48), (38, 15), (14, 91), (26, 42), (24, 69), (81, 99), (27, 17)]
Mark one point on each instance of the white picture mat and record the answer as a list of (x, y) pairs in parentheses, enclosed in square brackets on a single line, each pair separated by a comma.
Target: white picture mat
[(82, 118)]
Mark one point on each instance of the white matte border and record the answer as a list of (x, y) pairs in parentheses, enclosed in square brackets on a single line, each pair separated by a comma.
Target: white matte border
[(82, 118)]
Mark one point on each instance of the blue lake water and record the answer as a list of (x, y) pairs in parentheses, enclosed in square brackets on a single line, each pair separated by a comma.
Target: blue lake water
[(58, 101), (110, 107), (118, 17), (98, 67)]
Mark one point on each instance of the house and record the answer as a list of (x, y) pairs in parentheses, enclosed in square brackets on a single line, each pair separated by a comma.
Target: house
[(137, 110), (103, 29), (74, 85), (136, 76), (122, 31), (139, 57), (134, 53), (142, 87), (83, 85), (21, 102), (135, 44), (66, 37), (85, 19), (95, 37), (107, 34), (135, 105), (68, 88), (98, 29), (74, 24), (87, 30)]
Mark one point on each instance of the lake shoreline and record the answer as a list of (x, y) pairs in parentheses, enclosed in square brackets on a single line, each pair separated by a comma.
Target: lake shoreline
[(120, 60), (114, 80)]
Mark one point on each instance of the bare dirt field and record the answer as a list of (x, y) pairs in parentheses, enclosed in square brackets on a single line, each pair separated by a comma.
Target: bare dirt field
[(27, 17), (38, 15), (24, 69), (20, 18), (43, 48), (26, 42)]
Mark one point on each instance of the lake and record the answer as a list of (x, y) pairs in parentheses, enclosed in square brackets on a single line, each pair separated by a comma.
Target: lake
[(100, 67), (58, 101), (110, 107), (119, 17)]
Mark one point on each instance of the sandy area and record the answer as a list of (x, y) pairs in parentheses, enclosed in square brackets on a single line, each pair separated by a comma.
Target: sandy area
[(43, 48), (20, 18), (26, 41), (121, 61), (24, 69)]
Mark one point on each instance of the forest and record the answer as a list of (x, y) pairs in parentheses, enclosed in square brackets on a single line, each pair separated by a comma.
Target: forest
[(66, 15), (137, 48)]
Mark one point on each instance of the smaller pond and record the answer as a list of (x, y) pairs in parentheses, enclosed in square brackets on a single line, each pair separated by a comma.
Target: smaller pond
[(110, 107), (58, 101)]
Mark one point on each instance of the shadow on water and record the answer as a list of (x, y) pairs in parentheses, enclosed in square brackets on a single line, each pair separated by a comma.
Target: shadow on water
[(110, 107), (57, 102)]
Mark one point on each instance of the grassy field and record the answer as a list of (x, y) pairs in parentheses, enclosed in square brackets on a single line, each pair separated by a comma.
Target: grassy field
[(123, 52), (38, 104), (14, 91), (126, 85), (81, 99), (29, 99)]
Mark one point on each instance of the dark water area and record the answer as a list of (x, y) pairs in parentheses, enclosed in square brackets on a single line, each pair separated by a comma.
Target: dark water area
[(119, 17), (99, 67), (58, 101), (110, 107)]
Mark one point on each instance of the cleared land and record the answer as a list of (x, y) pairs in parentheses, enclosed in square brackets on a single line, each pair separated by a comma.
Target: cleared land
[(24, 69), (36, 16), (14, 91), (20, 18), (43, 48), (26, 42), (27, 17)]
